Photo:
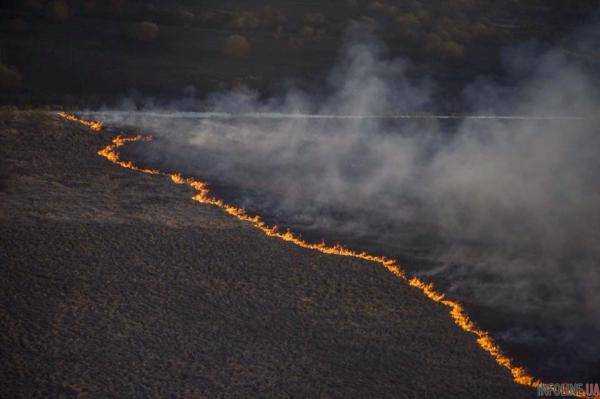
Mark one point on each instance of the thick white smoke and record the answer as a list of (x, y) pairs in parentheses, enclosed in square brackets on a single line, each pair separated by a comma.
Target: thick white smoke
[(517, 201)]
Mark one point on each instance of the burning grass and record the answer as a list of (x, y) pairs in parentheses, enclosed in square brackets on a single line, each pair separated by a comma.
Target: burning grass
[(118, 285), (95, 126), (204, 196)]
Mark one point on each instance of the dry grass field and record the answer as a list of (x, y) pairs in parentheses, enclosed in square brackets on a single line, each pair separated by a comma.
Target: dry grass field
[(116, 284)]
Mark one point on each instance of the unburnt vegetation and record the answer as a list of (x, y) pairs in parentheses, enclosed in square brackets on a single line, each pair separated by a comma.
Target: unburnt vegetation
[(116, 284), (93, 52)]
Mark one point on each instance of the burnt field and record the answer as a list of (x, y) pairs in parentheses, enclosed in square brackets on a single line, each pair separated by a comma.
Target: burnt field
[(116, 284)]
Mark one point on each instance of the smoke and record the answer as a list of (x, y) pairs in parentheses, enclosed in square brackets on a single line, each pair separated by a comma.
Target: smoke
[(507, 211)]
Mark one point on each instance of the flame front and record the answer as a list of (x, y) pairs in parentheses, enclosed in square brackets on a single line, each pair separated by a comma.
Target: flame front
[(109, 152), (95, 126), (459, 316)]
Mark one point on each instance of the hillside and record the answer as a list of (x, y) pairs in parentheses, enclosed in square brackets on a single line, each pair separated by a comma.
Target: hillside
[(116, 284)]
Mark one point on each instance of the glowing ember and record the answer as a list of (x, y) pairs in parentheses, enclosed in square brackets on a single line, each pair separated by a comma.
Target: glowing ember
[(457, 312)]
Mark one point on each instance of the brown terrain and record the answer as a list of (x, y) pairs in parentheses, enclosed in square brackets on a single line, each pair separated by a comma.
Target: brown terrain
[(116, 284)]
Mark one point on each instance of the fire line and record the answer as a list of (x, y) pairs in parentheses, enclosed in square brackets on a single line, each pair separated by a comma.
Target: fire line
[(203, 195), (95, 126)]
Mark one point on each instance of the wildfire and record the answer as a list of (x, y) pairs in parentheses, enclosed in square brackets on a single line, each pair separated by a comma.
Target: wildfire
[(95, 126), (203, 195), (109, 152), (485, 341)]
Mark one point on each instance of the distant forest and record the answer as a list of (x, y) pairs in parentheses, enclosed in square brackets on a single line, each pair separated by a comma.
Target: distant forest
[(91, 52)]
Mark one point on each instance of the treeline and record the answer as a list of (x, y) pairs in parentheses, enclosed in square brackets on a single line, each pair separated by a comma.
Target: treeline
[(180, 43)]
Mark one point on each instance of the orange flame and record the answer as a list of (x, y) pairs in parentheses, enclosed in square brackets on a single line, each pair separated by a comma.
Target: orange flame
[(95, 126), (109, 152), (485, 341), (457, 312)]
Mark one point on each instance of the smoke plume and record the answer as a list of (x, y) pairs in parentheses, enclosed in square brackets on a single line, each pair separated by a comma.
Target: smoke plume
[(502, 211)]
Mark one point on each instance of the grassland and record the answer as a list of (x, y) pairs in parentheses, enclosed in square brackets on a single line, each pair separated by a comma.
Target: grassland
[(116, 284)]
